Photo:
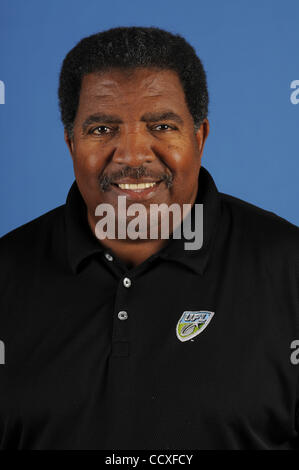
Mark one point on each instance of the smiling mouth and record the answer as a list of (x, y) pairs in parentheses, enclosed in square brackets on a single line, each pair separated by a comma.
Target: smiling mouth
[(136, 186), (137, 191)]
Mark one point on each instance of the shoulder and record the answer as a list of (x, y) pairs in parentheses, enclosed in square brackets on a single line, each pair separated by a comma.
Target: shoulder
[(35, 235), (260, 227)]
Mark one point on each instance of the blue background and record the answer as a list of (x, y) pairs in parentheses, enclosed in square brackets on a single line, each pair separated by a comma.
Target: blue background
[(250, 50)]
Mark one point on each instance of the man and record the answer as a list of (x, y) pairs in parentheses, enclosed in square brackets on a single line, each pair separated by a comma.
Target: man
[(121, 343)]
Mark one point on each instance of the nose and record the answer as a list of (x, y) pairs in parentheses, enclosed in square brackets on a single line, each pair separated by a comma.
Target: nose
[(133, 149)]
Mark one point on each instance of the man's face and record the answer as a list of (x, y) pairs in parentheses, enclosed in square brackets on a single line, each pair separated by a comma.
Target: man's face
[(135, 127)]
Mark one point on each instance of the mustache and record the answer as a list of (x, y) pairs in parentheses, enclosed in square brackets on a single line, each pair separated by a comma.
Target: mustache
[(106, 180)]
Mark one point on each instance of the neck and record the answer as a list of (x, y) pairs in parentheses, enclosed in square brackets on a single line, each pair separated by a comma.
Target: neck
[(133, 252)]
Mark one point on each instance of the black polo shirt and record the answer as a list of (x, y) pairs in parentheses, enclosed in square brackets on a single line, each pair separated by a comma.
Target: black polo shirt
[(93, 359)]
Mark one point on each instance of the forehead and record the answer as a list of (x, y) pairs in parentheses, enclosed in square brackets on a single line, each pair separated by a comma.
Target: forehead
[(138, 87)]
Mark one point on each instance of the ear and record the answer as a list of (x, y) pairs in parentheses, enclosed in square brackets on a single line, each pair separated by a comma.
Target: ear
[(69, 143), (201, 135)]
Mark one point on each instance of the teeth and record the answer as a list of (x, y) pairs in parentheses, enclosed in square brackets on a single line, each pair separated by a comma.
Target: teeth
[(136, 186)]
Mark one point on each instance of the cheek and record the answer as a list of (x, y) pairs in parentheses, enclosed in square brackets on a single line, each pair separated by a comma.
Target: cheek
[(185, 160), (90, 162)]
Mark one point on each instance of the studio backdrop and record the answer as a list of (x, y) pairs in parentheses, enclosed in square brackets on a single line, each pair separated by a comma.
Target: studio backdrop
[(249, 48)]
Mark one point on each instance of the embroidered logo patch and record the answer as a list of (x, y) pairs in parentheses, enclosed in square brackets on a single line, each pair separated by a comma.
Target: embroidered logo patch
[(192, 323)]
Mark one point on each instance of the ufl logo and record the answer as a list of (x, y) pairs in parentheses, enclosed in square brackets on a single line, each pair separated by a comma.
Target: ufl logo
[(2, 92), (2, 353), (192, 324)]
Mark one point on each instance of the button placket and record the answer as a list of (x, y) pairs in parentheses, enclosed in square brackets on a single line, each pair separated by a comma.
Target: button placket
[(121, 319)]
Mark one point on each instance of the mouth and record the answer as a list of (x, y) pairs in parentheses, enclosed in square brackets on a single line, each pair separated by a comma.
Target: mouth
[(144, 190)]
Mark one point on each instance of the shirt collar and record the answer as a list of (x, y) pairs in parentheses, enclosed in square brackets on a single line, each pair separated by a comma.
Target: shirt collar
[(197, 260), (81, 243)]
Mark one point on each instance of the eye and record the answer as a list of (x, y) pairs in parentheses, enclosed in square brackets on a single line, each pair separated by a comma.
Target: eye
[(163, 127), (101, 130)]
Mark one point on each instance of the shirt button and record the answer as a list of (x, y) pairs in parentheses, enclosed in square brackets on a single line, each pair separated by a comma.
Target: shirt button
[(108, 257), (127, 282), (122, 315)]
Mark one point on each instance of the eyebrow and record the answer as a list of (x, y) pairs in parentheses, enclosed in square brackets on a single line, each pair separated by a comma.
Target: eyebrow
[(147, 117), (162, 116)]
